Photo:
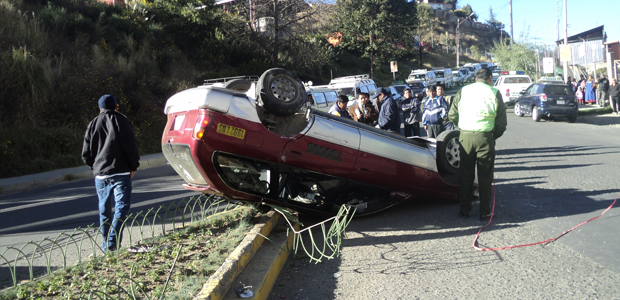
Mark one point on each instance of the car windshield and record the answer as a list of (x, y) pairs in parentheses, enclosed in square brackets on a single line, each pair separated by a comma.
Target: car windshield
[(417, 76), (319, 98), (400, 89), (417, 85), (439, 74), (558, 90), (471, 69), (517, 80)]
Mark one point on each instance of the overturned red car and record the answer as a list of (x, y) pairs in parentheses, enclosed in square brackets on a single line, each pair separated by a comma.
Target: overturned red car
[(255, 141)]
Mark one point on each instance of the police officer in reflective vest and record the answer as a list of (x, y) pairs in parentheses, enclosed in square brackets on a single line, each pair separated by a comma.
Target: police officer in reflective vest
[(479, 111)]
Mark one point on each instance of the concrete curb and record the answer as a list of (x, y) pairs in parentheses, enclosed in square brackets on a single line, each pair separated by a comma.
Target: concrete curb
[(265, 267), (223, 279), (33, 181)]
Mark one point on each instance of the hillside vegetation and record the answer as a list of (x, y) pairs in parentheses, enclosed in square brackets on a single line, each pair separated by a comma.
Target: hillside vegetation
[(58, 57)]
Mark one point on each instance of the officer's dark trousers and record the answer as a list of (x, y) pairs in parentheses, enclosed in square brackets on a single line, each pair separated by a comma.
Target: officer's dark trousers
[(476, 147)]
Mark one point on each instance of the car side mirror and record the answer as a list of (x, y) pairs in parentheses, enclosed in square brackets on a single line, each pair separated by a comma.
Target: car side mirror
[(522, 92)]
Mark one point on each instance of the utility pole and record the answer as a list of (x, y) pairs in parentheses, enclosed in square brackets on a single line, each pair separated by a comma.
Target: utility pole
[(565, 42), (512, 36)]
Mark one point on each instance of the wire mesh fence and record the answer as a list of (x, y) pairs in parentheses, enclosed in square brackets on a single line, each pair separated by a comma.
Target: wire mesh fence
[(39, 258), (35, 260)]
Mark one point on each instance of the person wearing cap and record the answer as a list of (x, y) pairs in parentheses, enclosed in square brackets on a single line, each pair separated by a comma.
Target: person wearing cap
[(479, 112), (389, 117), (340, 107), (110, 149)]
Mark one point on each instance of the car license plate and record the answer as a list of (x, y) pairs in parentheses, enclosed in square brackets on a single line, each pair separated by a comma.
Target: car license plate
[(231, 131), (561, 102)]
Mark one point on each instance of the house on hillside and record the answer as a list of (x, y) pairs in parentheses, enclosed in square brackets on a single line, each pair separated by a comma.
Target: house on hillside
[(436, 4), (587, 50)]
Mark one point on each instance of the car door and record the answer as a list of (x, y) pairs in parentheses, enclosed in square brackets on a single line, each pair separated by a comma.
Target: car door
[(524, 100), (328, 147)]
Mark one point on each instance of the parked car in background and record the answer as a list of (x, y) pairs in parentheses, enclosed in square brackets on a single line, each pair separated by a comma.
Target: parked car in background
[(323, 97), (473, 68), (422, 75), (556, 80), (352, 85), (496, 74), (257, 142), (547, 100), (416, 88), (444, 77), (457, 78), (510, 86), (468, 75)]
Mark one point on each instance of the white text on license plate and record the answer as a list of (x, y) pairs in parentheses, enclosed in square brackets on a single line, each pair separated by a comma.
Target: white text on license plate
[(231, 131), (561, 102)]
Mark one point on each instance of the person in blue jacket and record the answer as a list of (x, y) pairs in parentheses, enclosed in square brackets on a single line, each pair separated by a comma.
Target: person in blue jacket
[(435, 111), (389, 117)]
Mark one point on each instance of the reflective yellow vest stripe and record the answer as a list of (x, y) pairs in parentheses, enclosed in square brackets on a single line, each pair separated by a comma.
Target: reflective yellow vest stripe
[(477, 107)]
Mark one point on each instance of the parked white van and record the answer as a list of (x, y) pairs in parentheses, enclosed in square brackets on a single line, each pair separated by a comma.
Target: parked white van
[(444, 77), (323, 97), (352, 85), (422, 75), (473, 68)]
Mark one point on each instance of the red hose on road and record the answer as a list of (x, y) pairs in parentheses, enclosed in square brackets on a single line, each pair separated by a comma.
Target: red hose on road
[(475, 245)]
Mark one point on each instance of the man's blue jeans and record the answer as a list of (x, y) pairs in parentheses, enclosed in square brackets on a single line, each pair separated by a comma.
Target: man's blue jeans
[(114, 192)]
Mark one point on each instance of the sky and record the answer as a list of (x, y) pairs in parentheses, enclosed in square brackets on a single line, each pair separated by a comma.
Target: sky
[(540, 16)]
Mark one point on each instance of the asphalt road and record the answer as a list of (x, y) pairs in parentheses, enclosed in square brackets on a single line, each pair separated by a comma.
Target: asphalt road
[(549, 177), (50, 215)]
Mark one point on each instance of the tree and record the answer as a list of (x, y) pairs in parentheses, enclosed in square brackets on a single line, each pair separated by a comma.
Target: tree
[(518, 56), (453, 2), (493, 22), (380, 29), (464, 12), (284, 30)]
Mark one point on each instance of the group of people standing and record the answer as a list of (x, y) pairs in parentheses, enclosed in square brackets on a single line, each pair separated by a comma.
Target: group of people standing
[(590, 91), (383, 111)]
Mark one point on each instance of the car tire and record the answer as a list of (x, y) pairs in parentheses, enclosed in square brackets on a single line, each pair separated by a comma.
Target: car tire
[(280, 92), (448, 153), (535, 114), (572, 119), (517, 110), (240, 85)]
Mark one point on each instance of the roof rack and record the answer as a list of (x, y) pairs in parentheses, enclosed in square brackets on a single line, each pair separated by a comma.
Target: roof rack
[(227, 79), (355, 77)]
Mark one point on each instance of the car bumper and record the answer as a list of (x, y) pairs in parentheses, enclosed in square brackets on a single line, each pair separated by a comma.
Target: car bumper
[(559, 112)]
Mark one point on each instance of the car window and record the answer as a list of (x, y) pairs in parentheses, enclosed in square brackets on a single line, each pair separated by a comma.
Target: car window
[(372, 89), (517, 80), (535, 89), (346, 91), (529, 89), (364, 89), (439, 73), (331, 97), (558, 90), (319, 98)]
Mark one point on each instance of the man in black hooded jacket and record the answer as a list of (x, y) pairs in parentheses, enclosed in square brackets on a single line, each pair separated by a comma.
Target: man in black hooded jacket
[(111, 150)]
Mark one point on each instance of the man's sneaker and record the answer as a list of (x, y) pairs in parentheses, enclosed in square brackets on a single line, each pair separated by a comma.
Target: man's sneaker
[(486, 217), (463, 215)]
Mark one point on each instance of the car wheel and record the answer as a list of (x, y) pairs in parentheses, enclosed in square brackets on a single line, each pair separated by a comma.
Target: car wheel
[(517, 110), (572, 119), (280, 92), (240, 85), (535, 114), (448, 153)]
